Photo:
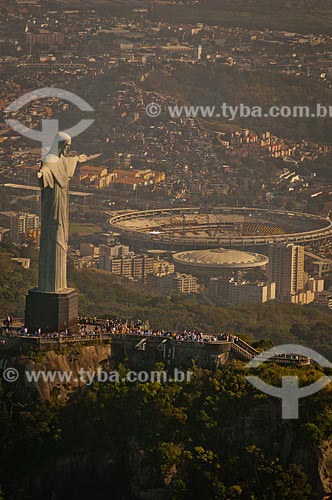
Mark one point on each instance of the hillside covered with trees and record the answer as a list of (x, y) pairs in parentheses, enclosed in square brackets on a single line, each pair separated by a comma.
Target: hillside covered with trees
[(215, 85), (103, 294), (301, 16), (214, 438)]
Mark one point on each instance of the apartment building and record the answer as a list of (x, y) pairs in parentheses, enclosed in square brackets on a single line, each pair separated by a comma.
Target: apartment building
[(21, 225), (286, 269)]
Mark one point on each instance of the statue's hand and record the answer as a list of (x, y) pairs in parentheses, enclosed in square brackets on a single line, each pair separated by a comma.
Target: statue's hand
[(92, 157), (84, 158)]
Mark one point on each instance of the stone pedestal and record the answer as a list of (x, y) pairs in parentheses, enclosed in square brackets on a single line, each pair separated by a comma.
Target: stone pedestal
[(51, 311)]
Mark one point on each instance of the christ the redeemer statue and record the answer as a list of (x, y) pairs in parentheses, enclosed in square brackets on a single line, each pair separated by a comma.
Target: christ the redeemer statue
[(54, 175)]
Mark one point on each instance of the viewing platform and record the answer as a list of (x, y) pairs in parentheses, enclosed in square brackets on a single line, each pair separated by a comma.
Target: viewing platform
[(143, 349)]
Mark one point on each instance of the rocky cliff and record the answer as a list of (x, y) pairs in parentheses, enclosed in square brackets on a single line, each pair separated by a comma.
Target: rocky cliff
[(58, 371)]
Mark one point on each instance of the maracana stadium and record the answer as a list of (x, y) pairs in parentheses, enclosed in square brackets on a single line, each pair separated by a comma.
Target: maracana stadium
[(180, 229)]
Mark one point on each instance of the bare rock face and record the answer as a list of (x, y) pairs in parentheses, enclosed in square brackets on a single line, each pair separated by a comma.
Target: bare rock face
[(325, 467), (64, 366)]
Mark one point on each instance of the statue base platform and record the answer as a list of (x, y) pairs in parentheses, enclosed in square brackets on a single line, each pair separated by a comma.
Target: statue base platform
[(51, 312)]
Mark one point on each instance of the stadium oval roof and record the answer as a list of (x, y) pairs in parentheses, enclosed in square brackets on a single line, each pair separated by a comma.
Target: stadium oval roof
[(220, 258)]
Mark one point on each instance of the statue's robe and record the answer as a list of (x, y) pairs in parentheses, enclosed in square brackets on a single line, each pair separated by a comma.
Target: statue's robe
[(54, 178)]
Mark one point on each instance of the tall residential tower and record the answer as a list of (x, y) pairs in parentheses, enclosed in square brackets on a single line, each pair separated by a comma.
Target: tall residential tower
[(286, 269)]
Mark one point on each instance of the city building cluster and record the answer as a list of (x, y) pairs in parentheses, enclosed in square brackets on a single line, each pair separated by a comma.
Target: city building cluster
[(120, 65)]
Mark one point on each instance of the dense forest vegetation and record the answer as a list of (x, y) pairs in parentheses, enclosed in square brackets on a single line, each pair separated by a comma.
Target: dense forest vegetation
[(214, 438)]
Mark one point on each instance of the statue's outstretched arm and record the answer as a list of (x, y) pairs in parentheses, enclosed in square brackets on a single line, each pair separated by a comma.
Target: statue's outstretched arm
[(84, 158)]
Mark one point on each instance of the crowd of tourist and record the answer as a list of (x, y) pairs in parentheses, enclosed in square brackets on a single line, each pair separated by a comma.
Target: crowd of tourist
[(120, 327), (90, 327)]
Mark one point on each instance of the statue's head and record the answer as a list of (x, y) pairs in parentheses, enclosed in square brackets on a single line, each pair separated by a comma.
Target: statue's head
[(61, 144), (64, 143)]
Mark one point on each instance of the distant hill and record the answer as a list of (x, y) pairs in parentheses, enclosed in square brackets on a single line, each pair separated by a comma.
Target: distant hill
[(273, 3), (301, 16), (214, 85)]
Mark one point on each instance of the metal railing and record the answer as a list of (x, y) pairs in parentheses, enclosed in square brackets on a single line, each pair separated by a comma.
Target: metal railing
[(243, 352), (239, 346)]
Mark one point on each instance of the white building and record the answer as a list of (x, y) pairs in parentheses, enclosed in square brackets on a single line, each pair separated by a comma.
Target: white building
[(250, 293), (286, 269)]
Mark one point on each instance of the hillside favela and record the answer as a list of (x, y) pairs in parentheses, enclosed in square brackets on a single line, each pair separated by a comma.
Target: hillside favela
[(166, 250)]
